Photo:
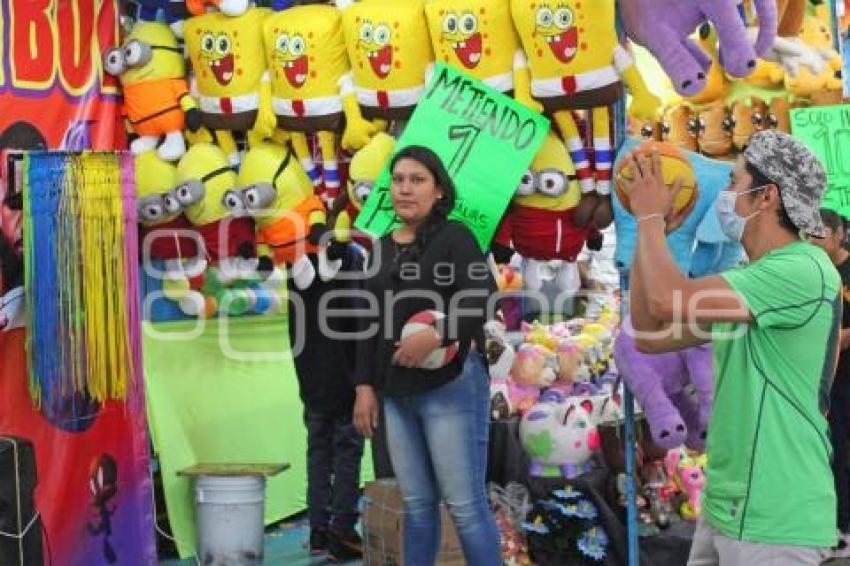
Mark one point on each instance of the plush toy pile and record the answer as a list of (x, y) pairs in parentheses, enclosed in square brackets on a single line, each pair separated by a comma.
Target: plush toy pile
[(717, 114), (316, 86), (559, 380), (310, 87)]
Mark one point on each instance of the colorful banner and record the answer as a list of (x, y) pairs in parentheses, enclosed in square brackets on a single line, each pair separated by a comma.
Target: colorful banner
[(826, 130), (237, 402), (486, 141), (94, 489), (54, 97)]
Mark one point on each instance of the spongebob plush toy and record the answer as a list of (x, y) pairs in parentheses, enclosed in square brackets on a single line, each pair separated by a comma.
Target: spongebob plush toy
[(312, 87), (230, 78), (207, 182), (290, 219), (478, 37), (156, 96), (540, 223), (577, 63), (390, 54), (364, 168)]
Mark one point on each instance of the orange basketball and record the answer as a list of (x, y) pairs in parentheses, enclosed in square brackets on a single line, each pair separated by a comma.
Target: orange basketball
[(674, 164)]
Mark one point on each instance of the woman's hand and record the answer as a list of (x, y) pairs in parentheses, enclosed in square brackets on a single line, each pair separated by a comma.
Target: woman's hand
[(413, 350), (365, 410), (649, 195)]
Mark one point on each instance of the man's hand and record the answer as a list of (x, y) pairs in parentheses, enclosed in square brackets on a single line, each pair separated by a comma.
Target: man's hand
[(366, 411), (649, 195), (415, 348)]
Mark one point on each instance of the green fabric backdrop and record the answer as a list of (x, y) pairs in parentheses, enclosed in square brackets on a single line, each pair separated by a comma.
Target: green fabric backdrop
[(205, 406)]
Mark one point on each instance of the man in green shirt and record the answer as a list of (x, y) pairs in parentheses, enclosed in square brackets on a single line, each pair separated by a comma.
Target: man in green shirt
[(774, 326)]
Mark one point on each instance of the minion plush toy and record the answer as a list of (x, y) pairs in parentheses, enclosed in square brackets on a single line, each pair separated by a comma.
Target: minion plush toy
[(230, 77), (206, 193), (160, 213), (312, 87), (364, 168), (390, 53), (577, 63), (165, 231), (156, 95), (290, 218), (478, 37), (540, 223)]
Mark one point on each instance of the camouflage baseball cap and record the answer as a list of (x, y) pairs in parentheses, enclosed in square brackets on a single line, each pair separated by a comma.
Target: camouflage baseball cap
[(797, 172)]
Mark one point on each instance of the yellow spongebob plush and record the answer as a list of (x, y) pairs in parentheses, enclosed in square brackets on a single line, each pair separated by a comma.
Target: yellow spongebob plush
[(290, 219), (230, 78), (390, 54), (478, 37), (540, 223), (156, 96), (364, 168), (207, 181), (312, 87), (818, 35), (577, 63)]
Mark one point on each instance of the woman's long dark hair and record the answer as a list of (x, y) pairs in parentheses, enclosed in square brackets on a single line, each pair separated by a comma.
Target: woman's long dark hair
[(442, 207)]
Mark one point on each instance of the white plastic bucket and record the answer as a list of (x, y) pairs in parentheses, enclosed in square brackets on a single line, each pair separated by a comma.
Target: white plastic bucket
[(229, 517)]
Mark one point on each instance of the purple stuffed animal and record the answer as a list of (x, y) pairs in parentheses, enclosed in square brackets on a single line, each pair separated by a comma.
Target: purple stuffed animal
[(663, 27), (660, 384)]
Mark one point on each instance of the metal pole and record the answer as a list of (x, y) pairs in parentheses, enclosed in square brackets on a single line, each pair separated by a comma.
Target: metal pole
[(628, 400)]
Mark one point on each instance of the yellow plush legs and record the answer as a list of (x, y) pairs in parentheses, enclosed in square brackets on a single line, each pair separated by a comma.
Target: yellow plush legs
[(381, 124), (281, 136), (225, 141), (603, 155), (575, 146), (330, 173), (203, 135), (302, 152)]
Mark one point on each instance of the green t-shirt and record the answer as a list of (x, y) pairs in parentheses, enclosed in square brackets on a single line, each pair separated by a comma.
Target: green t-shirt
[(768, 478)]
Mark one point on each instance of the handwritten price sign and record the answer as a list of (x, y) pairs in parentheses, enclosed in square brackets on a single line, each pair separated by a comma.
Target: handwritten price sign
[(486, 141), (826, 130)]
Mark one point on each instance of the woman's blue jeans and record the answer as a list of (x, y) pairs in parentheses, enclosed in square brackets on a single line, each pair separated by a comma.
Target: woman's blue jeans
[(438, 447)]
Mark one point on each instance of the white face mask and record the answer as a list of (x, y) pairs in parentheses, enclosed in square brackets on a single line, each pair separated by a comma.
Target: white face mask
[(731, 224)]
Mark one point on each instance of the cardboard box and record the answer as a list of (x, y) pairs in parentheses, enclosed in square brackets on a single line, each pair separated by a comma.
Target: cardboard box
[(383, 529)]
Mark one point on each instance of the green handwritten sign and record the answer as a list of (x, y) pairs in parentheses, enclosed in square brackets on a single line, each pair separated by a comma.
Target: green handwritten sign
[(485, 139), (826, 130)]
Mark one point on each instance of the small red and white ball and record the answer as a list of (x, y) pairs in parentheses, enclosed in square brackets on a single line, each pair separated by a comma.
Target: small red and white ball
[(423, 320)]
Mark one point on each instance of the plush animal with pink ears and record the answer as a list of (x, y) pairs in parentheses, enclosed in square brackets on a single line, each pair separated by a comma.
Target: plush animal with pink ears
[(664, 27)]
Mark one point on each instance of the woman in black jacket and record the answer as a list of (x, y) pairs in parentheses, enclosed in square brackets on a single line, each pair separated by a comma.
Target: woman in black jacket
[(436, 419)]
